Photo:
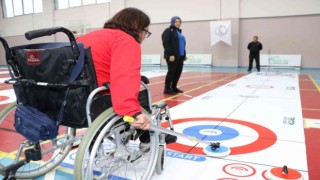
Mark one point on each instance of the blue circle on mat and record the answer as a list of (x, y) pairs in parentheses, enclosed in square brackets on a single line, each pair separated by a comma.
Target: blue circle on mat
[(222, 149), (226, 132)]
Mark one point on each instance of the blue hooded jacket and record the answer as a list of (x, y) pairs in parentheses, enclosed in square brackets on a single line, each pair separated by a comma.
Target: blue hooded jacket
[(182, 40), (173, 41)]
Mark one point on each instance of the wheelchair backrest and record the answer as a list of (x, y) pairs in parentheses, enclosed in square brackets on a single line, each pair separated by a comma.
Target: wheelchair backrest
[(44, 81)]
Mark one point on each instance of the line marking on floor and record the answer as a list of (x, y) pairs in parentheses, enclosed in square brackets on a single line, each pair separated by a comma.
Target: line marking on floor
[(222, 79), (311, 123), (178, 100), (183, 78), (310, 109), (309, 90), (314, 83), (187, 95)]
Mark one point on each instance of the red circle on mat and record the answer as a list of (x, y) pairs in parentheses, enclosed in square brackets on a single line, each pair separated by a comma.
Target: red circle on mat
[(265, 139), (3, 98), (264, 174), (240, 167), (292, 174)]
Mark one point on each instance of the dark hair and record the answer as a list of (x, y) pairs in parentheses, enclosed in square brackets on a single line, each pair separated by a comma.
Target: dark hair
[(129, 20)]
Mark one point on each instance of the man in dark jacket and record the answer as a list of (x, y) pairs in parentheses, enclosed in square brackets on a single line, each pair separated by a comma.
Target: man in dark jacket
[(174, 44), (254, 47)]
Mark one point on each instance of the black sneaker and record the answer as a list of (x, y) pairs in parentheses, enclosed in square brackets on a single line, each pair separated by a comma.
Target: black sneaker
[(169, 91), (177, 90)]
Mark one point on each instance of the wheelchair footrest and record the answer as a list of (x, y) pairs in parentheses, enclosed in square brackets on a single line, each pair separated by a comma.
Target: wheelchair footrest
[(33, 154)]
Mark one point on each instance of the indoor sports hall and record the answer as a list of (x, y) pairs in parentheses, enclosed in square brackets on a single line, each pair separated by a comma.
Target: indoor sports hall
[(244, 103)]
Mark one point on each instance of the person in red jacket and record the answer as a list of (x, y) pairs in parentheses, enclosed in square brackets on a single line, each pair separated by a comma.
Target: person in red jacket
[(116, 54)]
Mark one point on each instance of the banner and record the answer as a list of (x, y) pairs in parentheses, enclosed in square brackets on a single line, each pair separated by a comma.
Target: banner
[(150, 59), (199, 59), (280, 60), (220, 31)]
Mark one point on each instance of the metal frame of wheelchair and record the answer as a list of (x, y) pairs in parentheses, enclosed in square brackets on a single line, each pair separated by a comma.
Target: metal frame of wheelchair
[(93, 160), (111, 128)]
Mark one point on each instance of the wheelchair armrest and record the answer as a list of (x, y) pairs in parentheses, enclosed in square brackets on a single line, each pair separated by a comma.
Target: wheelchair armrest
[(106, 84), (161, 105), (145, 80)]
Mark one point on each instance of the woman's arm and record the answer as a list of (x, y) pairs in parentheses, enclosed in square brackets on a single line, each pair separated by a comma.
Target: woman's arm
[(166, 40), (125, 76)]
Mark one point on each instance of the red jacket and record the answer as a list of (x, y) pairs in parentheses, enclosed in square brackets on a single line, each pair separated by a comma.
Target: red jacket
[(117, 59)]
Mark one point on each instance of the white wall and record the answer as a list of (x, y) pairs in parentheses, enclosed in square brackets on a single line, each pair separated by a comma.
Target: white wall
[(93, 16), (248, 17), (160, 11), (21, 24), (272, 8), (283, 35)]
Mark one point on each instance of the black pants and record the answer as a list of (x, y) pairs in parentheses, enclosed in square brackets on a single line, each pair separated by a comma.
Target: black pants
[(144, 135), (174, 72), (257, 59)]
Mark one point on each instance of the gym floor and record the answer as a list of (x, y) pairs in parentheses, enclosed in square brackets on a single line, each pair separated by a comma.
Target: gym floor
[(268, 119)]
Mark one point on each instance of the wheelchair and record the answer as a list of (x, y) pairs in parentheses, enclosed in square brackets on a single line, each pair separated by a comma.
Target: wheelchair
[(48, 77)]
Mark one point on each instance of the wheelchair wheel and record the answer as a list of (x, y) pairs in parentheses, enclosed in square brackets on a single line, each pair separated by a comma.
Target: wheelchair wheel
[(110, 150), (160, 160), (53, 151)]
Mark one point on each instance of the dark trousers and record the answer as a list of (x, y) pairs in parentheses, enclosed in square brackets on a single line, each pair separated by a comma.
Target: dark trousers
[(257, 59), (174, 72), (144, 135)]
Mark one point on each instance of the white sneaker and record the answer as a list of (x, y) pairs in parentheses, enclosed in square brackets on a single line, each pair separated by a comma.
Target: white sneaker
[(144, 147)]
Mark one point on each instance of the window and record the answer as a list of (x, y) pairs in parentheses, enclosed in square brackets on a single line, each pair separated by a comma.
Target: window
[(88, 2), (74, 3), (28, 6), (64, 4), (13, 8), (103, 1)]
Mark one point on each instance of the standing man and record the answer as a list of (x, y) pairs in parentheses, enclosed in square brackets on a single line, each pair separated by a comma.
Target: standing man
[(254, 47), (174, 44)]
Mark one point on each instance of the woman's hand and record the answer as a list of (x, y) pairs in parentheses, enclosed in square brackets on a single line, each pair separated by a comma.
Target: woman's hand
[(141, 122), (171, 58)]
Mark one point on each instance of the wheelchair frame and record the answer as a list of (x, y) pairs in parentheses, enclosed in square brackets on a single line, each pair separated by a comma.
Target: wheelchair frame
[(158, 113)]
